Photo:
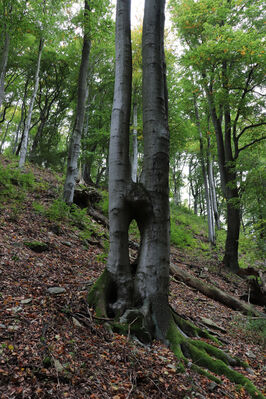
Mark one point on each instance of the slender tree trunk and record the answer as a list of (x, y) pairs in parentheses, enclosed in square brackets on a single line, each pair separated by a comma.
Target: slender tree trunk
[(74, 147), (86, 173), (37, 138), (7, 127), (3, 65), (211, 230), (24, 144), (212, 188), (21, 117), (229, 187), (22, 134), (134, 166)]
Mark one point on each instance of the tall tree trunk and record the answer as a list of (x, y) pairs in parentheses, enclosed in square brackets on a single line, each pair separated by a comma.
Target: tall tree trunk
[(139, 291), (37, 138), (23, 107), (7, 127), (211, 227), (232, 196), (86, 172), (212, 188), (229, 185), (24, 144), (74, 146), (134, 166), (151, 281), (3, 65), (118, 265), (23, 130)]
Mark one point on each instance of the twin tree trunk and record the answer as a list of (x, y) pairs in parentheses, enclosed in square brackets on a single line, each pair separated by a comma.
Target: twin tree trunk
[(136, 295), (140, 290)]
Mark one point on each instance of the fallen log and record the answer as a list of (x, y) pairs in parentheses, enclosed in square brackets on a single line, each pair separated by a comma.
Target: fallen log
[(213, 292)]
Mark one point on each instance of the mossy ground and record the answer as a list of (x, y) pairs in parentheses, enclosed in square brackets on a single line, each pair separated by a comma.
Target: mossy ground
[(204, 358)]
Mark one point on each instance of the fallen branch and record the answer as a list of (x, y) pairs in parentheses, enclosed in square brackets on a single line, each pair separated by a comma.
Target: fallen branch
[(213, 292)]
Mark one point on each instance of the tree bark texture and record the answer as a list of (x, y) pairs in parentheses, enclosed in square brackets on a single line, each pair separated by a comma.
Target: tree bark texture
[(210, 216), (139, 291), (229, 182), (23, 107), (134, 166), (74, 146), (24, 144), (118, 264)]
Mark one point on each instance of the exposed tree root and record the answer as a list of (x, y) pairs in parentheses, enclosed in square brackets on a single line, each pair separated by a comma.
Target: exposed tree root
[(204, 356), (182, 337)]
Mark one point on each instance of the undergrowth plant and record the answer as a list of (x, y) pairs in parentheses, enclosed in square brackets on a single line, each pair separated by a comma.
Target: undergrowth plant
[(14, 183), (184, 228)]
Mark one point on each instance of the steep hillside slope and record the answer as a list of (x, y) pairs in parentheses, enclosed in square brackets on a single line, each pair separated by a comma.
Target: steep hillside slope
[(51, 343)]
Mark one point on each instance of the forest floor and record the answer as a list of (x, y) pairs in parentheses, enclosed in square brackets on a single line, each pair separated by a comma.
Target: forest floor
[(52, 346)]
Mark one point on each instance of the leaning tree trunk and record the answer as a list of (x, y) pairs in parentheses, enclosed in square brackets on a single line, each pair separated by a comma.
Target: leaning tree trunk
[(74, 146), (7, 127), (24, 144)]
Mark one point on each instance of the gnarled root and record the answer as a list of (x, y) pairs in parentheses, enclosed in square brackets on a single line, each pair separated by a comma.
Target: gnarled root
[(182, 336), (203, 357)]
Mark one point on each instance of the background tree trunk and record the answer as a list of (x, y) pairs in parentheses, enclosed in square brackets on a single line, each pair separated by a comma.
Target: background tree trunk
[(74, 146), (7, 126), (24, 144), (211, 226), (229, 184), (3, 65)]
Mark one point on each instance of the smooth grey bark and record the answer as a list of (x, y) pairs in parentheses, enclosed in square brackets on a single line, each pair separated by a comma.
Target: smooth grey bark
[(74, 146), (3, 65), (24, 144), (140, 290), (152, 277), (134, 164), (210, 216), (212, 188), (118, 264)]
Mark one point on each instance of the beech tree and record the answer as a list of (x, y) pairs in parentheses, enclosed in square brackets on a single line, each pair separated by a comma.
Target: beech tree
[(140, 289), (135, 295), (92, 20), (74, 146)]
